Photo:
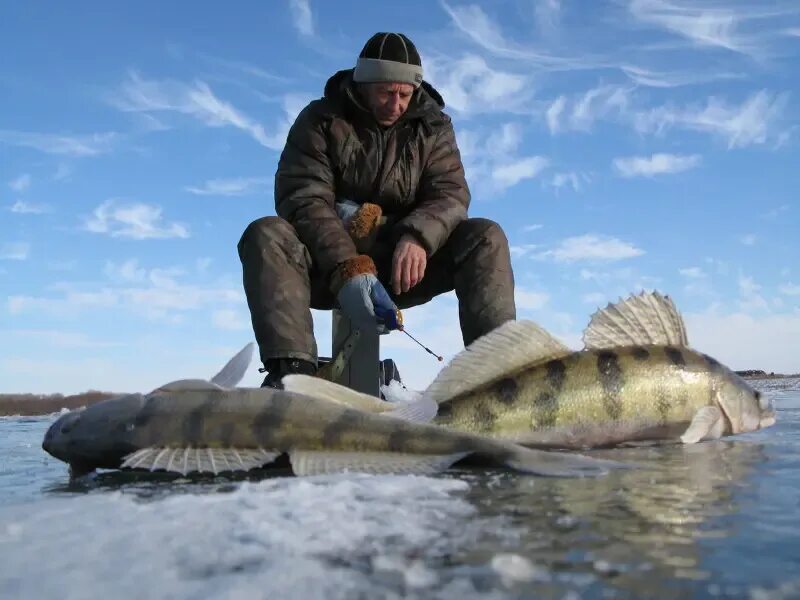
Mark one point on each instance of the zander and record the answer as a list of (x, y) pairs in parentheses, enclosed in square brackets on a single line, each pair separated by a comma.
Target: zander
[(635, 380), (196, 425)]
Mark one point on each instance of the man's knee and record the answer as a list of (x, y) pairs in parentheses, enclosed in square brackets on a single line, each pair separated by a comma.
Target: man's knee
[(478, 232), (264, 231)]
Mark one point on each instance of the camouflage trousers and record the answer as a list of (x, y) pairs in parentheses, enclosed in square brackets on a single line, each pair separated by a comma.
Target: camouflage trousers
[(281, 283)]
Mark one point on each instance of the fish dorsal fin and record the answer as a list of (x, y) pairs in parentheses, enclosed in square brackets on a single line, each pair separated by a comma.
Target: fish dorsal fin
[(334, 392), (234, 370), (189, 385), (640, 320), (500, 352), (419, 411)]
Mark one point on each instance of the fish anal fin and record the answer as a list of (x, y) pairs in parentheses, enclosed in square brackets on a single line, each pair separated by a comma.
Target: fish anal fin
[(199, 460), (639, 320), (313, 462), (501, 352), (707, 423)]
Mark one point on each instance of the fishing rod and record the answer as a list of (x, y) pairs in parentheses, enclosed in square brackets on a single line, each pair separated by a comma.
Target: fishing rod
[(393, 319)]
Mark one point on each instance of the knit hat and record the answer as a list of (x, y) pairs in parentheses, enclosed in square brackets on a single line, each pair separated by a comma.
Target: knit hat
[(389, 57)]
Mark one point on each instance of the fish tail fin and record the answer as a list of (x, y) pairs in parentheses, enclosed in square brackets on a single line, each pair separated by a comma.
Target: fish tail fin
[(558, 464)]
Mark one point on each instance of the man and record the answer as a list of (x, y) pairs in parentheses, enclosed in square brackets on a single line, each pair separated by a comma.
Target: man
[(372, 214)]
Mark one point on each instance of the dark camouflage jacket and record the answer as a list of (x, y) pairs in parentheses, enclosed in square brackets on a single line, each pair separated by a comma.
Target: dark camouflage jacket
[(336, 149)]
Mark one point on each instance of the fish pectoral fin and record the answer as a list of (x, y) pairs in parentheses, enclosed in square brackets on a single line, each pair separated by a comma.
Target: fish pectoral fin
[(322, 389), (188, 385), (507, 349), (641, 320), (234, 370), (314, 462), (422, 410), (199, 460), (707, 423)]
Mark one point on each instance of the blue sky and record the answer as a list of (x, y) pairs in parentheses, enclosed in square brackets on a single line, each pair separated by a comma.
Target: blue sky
[(636, 144)]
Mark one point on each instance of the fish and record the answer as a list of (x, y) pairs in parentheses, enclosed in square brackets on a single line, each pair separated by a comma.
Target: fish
[(635, 381), (206, 426)]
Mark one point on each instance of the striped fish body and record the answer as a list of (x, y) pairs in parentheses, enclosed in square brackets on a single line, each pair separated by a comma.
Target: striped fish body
[(217, 430), (592, 398)]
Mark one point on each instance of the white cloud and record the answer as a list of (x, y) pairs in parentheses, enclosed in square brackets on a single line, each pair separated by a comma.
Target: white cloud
[(793, 31), (756, 121), (711, 26), (657, 164), (750, 296), (136, 221), (692, 272), (789, 289), (230, 320), (86, 145), (649, 78), (240, 186), (742, 341), (26, 208), (21, 183), (580, 112), (128, 271), (302, 18), (571, 179), (15, 251), (60, 339), (521, 250), (508, 175), (548, 14), (749, 239), (529, 300), (198, 101), (591, 247), (533, 227), (470, 86)]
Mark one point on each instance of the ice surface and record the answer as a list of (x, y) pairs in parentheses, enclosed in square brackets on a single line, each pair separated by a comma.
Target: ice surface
[(296, 538)]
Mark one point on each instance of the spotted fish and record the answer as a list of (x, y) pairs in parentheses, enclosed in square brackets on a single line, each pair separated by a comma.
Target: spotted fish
[(190, 426), (636, 380)]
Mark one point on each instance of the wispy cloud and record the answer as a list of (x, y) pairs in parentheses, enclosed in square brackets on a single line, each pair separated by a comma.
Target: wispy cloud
[(136, 221), (240, 186), (526, 299), (127, 271), (789, 289), (660, 79), (15, 251), (704, 25), (229, 320), (756, 121), (532, 227), (472, 21), (591, 247), (21, 207), (509, 175), (749, 239), (471, 86), (548, 15), (69, 145), (522, 250), (750, 295), (21, 183), (580, 112), (692, 272), (302, 17), (197, 100), (72, 340), (569, 179), (657, 164)]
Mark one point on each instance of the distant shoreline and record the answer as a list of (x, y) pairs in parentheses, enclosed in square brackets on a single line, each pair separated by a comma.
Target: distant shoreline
[(30, 405)]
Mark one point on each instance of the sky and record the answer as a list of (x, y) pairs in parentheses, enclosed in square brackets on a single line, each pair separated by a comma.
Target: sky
[(623, 146)]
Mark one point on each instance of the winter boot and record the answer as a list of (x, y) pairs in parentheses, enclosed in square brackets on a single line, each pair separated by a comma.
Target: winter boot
[(277, 368)]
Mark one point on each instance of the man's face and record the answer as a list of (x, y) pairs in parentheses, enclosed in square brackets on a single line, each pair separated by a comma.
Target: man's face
[(388, 101)]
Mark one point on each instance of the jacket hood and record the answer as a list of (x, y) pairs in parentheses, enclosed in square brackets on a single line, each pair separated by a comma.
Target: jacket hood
[(427, 102)]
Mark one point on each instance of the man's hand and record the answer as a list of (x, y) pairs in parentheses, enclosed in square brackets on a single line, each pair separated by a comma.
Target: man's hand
[(408, 264)]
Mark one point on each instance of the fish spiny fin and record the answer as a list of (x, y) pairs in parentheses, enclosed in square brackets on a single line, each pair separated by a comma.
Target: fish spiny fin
[(334, 392), (234, 370), (199, 460), (505, 350), (312, 462), (188, 385), (705, 424), (640, 320)]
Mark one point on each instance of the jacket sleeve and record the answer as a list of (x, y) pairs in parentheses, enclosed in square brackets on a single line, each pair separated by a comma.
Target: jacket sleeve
[(443, 196), (305, 194)]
